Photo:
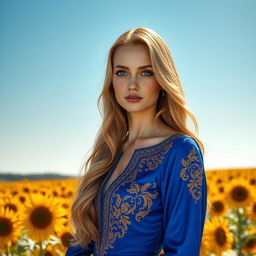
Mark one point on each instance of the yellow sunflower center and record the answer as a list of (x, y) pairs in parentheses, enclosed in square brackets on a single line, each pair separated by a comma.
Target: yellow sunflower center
[(66, 238), (41, 217), (251, 243), (6, 227), (218, 206), (220, 236), (239, 193)]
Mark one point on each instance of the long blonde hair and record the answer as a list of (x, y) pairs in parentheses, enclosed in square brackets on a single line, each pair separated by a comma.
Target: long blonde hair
[(171, 109)]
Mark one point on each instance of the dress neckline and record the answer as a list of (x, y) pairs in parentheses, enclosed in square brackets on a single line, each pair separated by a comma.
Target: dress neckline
[(119, 155), (155, 145)]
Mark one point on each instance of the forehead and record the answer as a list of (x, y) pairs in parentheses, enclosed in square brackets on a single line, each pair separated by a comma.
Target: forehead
[(131, 54)]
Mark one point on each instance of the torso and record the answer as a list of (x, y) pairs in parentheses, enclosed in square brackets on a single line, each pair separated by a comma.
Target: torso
[(127, 154)]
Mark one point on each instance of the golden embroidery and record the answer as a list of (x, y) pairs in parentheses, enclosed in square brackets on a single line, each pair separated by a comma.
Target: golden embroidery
[(193, 170), (128, 204), (125, 208), (116, 209)]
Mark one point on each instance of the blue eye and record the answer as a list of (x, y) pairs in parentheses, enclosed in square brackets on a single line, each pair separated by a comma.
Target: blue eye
[(117, 73), (149, 72)]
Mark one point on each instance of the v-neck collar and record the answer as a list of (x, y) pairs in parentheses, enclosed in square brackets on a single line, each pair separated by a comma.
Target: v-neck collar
[(102, 195), (109, 174)]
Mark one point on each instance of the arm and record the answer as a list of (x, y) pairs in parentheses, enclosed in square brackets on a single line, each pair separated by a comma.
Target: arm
[(79, 251), (184, 198)]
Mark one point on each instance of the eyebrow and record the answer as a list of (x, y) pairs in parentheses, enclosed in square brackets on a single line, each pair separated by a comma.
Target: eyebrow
[(121, 66)]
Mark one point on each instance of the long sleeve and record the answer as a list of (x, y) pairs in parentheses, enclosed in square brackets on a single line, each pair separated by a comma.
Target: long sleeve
[(184, 199), (79, 251)]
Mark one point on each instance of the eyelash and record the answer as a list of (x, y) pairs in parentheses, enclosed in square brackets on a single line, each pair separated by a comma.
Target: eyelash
[(142, 72)]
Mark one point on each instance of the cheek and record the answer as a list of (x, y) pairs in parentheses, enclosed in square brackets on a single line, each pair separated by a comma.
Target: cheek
[(117, 89), (117, 83), (153, 88)]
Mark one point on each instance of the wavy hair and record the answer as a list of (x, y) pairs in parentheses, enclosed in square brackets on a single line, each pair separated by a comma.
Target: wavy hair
[(171, 109)]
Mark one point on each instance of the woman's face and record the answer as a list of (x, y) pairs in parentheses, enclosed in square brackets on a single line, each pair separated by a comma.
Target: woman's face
[(133, 74)]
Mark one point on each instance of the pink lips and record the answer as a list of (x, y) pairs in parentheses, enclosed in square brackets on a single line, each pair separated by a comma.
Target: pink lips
[(133, 98)]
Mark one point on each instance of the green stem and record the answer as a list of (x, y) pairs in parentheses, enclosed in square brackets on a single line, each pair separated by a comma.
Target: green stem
[(7, 250), (41, 248), (239, 232)]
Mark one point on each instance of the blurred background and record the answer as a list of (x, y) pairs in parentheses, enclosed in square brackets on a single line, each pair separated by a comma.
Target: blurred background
[(52, 64)]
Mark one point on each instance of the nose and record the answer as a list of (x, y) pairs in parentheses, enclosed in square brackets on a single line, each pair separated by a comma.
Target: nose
[(133, 83)]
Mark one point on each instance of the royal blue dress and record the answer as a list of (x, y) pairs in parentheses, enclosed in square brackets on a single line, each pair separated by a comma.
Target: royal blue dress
[(158, 202)]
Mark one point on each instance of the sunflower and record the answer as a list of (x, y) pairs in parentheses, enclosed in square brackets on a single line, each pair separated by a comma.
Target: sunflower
[(42, 216), (221, 189), (251, 211), (66, 204), (50, 250), (23, 197), (211, 189), (239, 193), (252, 181), (65, 237), (250, 244), (9, 227), (203, 248), (218, 206), (26, 186), (13, 203), (221, 177), (217, 235), (69, 193)]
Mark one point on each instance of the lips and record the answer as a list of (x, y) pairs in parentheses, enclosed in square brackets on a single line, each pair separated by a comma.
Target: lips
[(133, 96)]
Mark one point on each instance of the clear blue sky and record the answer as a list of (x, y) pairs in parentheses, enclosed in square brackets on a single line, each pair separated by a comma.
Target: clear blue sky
[(52, 62)]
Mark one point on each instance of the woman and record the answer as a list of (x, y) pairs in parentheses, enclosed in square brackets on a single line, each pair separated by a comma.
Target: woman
[(145, 187)]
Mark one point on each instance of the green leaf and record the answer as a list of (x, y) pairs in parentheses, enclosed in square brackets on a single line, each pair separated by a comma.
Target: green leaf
[(21, 249)]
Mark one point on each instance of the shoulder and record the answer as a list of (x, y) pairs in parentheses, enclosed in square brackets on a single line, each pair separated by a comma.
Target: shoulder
[(185, 142), (74, 250), (184, 146), (183, 159)]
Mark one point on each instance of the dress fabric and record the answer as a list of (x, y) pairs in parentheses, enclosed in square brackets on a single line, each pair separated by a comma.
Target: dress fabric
[(158, 202)]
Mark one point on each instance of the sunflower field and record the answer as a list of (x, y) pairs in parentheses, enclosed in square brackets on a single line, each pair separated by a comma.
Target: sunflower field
[(35, 215)]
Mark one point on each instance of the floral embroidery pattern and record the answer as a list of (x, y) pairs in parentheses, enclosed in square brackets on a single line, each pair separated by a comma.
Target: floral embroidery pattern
[(128, 204), (125, 208), (116, 219), (193, 171)]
